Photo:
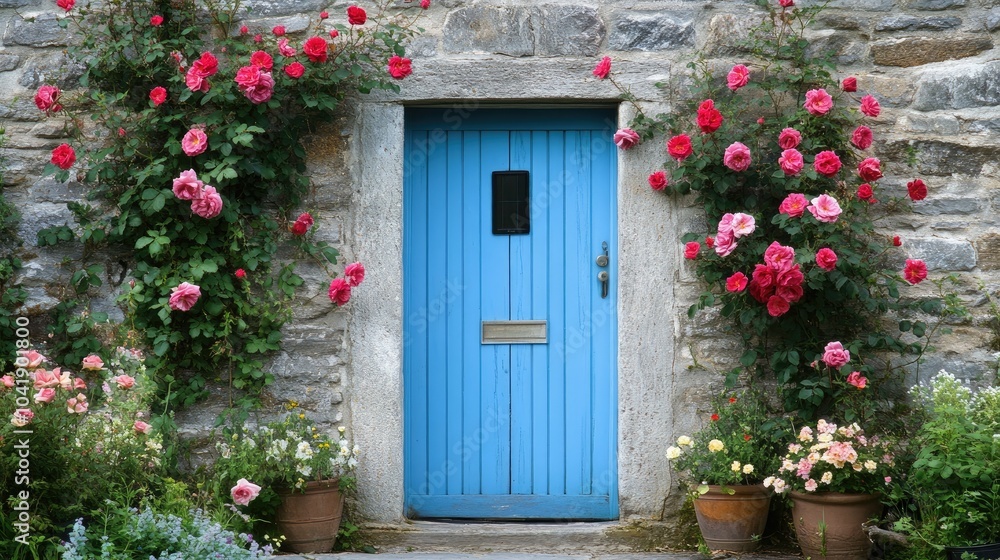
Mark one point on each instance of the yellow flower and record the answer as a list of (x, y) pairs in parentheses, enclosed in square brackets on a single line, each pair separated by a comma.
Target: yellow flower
[(747, 468), (673, 452), (684, 440), (736, 466), (302, 416), (291, 404), (716, 445)]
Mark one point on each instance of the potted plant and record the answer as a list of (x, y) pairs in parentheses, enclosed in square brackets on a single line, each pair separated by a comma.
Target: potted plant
[(954, 482), (293, 473), (724, 464), (835, 476)]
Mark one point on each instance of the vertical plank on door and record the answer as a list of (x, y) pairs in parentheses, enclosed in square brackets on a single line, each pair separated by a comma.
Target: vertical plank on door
[(557, 315), (471, 296), (495, 298), (453, 308), (541, 258), (437, 349), (603, 402), (522, 277)]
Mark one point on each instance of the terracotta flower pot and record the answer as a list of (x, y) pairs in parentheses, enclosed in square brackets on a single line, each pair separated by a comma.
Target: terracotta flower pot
[(828, 524), (981, 552), (733, 521), (310, 520)]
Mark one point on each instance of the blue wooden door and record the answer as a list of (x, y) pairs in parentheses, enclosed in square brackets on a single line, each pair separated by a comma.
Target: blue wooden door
[(523, 429)]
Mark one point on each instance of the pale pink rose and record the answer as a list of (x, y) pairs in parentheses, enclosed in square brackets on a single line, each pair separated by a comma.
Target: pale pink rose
[(45, 395), (888, 479), (834, 355), (7, 381), (826, 259), (779, 257), (284, 49), (33, 359), (77, 404), (354, 273), (725, 224), (811, 485), (46, 378), (794, 205), (194, 142), (79, 384), (742, 224), (65, 381), (93, 362), (818, 102), (856, 379), (725, 243), (737, 157), (789, 138), (825, 208), (187, 186), (141, 427), (625, 138), (244, 492), (209, 204), (22, 417), (184, 296), (124, 381), (738, 77), (791, 162)]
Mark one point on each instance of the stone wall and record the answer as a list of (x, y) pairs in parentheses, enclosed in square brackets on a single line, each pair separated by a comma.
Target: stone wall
[(932, 64)]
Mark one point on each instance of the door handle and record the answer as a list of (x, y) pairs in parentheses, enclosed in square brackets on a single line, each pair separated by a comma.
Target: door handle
[(603, 276)]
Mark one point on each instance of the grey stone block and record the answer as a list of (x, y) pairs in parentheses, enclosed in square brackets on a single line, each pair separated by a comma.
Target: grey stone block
[(913, 23), (43, 31), (18, 3), (934, 206), (9, 62), (960, 87), (286, 7), (915, 51), (650, 31), (864, 5), (945, 158), (993, 19), (942, 254), (493, 29), (568, 30), (937, 4), (58, 70)]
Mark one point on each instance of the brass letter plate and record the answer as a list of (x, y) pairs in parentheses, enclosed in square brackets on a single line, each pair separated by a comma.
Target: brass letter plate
[(515, 332)]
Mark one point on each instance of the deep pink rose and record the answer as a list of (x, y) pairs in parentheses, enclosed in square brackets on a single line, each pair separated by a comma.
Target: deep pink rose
[(240, 274), (625, 138), (737, 282), (400, 67), (258, 38), (334, 33), (794, 205), (47, 99), (791, 162), (658, 180), (826, 259), (916, 189), (355, 274), (603, 68), (244, 492), (316, 49), (870, 106), (763, 275), (870, 169), (356, 15), (850, 84), (256, 85), (779, 257), (209, 204), (737, 157), (834, 355), (45, 395), (760, 292), (789, 138), (194, 142), (278, 30), (862, 137), (66, 4), (156, 20), (818, 102), (262, 60), (915, 271), (738, 77), (791, 294), (679, 147), (93, 362), (827, 163), (865, 192), (187, 186), (340, 291), (141, 427), (324, 14), (856, 379), (786, 3), (77, 404), (63, 156), (425, 4), (691, 249), (302, 224), (284, 49), (127, 381), (777, 306), (295, 70), (184, 296), (158, 95), (244, 30), (825, 208), (709, 118)]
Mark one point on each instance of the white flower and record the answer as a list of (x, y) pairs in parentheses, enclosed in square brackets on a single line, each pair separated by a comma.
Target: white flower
[(355, 450), (352, 462), (870, 465), (736, 466), (827, 477), (304, 470), (684, 440), (303, 451), (779, 485), (673, 452), (341, 429), (768, 481), (747, 468), (716, 445), (824, 438)]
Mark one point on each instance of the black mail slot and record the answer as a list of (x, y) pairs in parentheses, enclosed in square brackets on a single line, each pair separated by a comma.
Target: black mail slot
[(510, 202)]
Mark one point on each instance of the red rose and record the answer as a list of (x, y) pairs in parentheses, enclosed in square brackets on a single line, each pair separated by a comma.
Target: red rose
[(244, 30), (870, 169), (295, 70), (746, 437), (691, 250), (65, 4), (156, 20), (786, 3), (158, 95), (865, 191), (896, 241), (679, 147), (324, 15), (316, 49), (710, 241), (849, 84), (916, 189), (63, 156), (827, 163), (356, 16), (334, 33), (715, 417), (658, 181), (262, 60), (240, 273), (915, 271), (399, 67), (870, 106), (258, 38), (709, 118), (47, 99), (278, 30), (826, 259), (862, 137), (302, 224)]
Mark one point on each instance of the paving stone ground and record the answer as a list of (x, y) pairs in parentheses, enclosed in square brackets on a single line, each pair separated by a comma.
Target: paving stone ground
[(523, 556)]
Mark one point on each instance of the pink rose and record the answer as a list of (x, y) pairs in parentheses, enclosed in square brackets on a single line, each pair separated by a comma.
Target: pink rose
[(47, 99), (262, 60), (818, 102), (777, 306), (34, 359), (126, 381), (45, 395), (156, 20), (725, 223), (158, 95), (857, 380), (356, 16), (209, 204), (141, 427), (63, 156), (195, 81), (340, 291), (77, 404), (850, 84), (737, 282), (794, 205), (742, 224), (827, 163), (240, 274), (825, 208), (45, 379), (789, 138), (187, 186), (779, 257), (603, 68), (738, 77), (725, 243), (284, 49), (278, 30), (826, 259), (184, 296), (64, 379), (79, 383), (194, 142), (244, 492), (316, 49), (870, 106), (915, 271), (709, 118), (399, 67), (679, 147), (355, 274), (862, 137), (295, 70), (791, 162), (256, 85), (691, 250), (625, 138), (737, 157), (22, 416), (258, 38), (916, 189), (302, 224), (834, 355), (658, 180), (7, 381), (870, 169)]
